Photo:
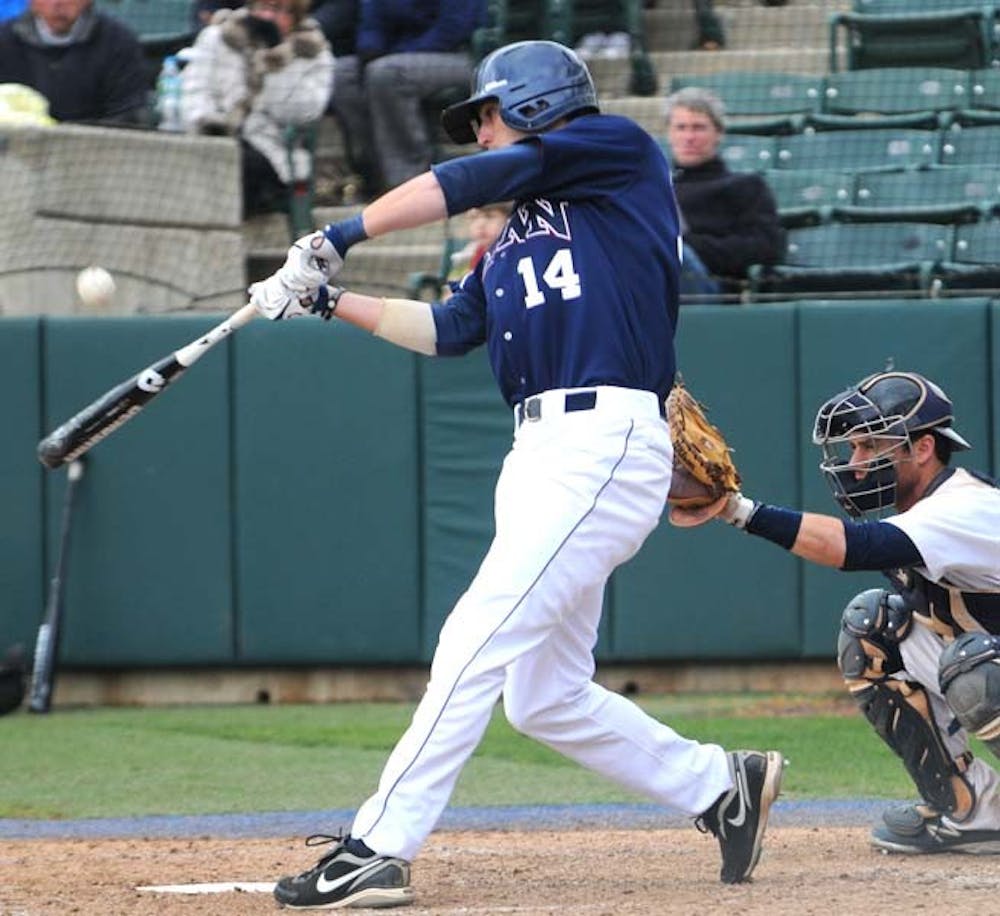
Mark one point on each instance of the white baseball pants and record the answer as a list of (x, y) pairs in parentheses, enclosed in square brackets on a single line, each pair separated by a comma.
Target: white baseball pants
[(577, 495)]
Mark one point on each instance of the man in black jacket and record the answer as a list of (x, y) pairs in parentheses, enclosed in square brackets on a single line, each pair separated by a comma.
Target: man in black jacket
[(730, 219), (88, 65)]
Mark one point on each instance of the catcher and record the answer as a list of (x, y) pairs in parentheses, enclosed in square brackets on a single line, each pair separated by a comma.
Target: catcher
[(922, 657)]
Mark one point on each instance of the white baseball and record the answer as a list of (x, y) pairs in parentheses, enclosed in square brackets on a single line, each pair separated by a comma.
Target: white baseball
[(95, 287)]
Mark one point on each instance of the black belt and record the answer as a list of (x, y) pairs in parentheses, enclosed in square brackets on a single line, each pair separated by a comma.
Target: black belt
[(531, 408)]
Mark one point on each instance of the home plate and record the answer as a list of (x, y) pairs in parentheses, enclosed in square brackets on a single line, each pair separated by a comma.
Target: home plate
[(223, 887)]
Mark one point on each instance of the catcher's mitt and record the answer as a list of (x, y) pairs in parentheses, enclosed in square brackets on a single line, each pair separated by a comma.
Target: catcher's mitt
[(704, 473)]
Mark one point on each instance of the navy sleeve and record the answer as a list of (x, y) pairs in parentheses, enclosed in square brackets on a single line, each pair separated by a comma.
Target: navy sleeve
[(485, 178), (878, 546), (460, 322)]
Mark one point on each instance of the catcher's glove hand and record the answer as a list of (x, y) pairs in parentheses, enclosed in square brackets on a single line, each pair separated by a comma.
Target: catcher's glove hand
[(704, 474)]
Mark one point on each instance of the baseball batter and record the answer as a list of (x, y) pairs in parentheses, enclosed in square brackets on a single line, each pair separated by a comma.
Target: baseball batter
[(922, 659), (576, 303)]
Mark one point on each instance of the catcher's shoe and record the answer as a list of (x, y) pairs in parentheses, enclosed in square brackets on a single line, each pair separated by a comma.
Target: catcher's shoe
[(920, 830), (346, 878), (738, 818)]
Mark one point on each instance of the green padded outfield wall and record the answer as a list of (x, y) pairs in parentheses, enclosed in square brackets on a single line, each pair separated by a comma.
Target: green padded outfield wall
[(713, 592), (467, 430), (326, 482), (840, 343), (21, 558), (149, 580), (993, 404), (309, 495)]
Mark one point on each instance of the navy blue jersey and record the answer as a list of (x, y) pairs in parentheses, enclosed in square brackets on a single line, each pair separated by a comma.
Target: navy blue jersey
[(580, 288)]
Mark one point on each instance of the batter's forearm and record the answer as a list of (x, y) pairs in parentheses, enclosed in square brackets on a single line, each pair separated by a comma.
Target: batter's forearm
[(407, 323)]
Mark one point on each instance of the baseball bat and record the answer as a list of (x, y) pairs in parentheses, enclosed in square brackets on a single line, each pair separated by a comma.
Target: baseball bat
[(43, 673), (116, 407)]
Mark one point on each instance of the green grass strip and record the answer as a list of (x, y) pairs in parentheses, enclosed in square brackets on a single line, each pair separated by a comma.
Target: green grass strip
[(211, 760)]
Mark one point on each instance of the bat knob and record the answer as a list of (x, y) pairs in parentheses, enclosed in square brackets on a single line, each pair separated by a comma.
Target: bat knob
[(51, 452)]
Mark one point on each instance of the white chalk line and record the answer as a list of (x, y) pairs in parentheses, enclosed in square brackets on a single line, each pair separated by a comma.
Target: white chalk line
[(221, 887)]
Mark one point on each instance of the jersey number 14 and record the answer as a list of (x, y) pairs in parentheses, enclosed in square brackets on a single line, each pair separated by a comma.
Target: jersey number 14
[(559, 274)]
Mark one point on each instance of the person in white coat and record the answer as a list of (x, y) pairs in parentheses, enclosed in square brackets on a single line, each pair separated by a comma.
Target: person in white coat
[(253, 73)]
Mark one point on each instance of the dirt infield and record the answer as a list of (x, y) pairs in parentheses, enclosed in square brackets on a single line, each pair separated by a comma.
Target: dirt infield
[(820, 871)]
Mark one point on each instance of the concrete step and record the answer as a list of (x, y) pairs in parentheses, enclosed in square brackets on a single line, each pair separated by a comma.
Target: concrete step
[(648, 111), (267, 236), (612, 76), (670, 26)]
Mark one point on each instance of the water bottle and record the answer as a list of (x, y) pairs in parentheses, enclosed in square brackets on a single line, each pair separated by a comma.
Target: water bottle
[(168, 95)]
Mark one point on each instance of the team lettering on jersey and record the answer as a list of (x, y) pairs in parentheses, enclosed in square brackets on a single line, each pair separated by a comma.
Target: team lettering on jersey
[(530, 220)]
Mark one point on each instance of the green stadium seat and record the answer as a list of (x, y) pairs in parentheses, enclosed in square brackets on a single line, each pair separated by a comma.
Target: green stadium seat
[(163, 26), (971, 145), (917, 120), (853, 258), (748, 152), (794, 188), (776, 126), (908, 7), (805, 196), (896, 90), (978, 244), (759, 93), (878, 148), (960, 38), (984, 89), (973, 117), (975, 264), (978, 186), (866, 244)]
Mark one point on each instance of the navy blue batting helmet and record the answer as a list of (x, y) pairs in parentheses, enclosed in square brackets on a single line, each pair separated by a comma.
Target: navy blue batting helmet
[(535, 83), (893, 408)]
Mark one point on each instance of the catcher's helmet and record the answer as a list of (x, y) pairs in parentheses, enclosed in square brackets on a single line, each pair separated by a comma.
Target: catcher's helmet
[(535, 83), (890, 407)]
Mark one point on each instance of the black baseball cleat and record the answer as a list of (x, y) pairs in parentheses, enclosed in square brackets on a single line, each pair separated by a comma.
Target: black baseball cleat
[(920, 830), (738, 818), (350, 875)]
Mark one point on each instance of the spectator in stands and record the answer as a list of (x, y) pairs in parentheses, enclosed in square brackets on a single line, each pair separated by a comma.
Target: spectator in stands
[(730, 219), (339, 21), (254, 73), (711, 35), (484, 224), (407, 51), (88, 65)]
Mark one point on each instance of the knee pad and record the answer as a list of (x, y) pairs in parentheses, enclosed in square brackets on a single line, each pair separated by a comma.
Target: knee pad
[(900, 712), (871, 628), (969, 673)]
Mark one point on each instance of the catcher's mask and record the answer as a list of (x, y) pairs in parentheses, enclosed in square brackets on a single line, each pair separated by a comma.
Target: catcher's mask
[(889, 409), (535, 83)]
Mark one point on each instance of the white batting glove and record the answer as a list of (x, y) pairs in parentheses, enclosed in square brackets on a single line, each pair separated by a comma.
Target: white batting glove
[(311, 261), (274, 300)]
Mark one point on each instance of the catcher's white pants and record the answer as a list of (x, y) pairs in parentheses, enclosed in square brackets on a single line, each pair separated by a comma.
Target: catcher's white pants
[(921, 651), (577, 495)]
